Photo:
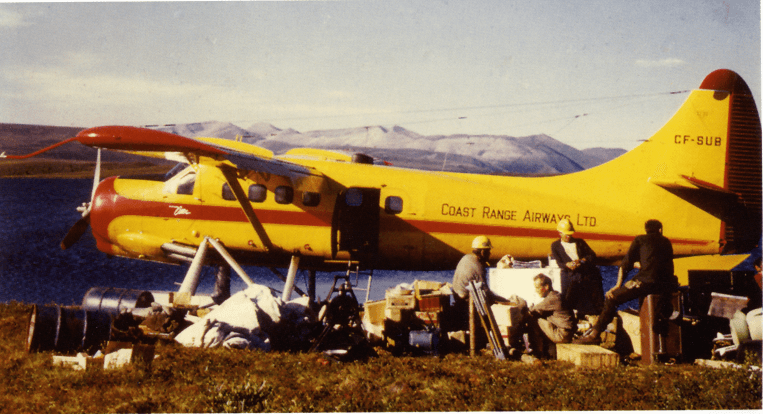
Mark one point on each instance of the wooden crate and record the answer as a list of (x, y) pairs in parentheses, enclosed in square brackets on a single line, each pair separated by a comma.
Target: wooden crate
[(398, 315), (433, 303), (401, 302), (589, 356), (425, 287), (428, 318)]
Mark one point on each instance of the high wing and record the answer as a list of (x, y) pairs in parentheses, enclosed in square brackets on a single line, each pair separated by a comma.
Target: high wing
[(147, 141)]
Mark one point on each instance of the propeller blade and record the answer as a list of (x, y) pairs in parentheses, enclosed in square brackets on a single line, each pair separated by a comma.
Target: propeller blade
[(78, 229)]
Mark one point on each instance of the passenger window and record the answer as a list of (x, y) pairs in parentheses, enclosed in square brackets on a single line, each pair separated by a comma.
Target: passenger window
[(186, 184), (353, 197), (258, 193), (228, 193), (393, 205), (284, 194), (311, 199)]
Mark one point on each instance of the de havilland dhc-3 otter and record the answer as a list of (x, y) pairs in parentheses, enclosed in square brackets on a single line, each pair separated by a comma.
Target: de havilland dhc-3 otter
[(700, 175)]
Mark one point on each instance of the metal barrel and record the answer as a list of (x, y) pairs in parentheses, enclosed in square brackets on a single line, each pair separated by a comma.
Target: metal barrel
[(425, 340), (115, 300), (67, 329), (70, 330), (97, 331), (42, 328)]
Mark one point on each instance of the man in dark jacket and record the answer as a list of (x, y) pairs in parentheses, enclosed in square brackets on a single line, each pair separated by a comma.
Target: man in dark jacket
[(581, 280), (654, 253)]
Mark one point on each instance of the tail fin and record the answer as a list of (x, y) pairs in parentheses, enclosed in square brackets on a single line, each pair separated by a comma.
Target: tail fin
[(709, 154)]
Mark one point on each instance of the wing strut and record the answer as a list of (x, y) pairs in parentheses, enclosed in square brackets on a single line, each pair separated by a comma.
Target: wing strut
[(243, 200)]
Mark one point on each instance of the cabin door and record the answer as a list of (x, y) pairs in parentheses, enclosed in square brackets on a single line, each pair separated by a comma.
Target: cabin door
[(355, 227)]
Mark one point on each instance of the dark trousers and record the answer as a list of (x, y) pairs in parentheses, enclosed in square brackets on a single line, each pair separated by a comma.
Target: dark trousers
[(624, 294), (582, 291)]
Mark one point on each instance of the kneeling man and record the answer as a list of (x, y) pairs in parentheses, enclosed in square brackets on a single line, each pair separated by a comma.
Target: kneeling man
[(549, 321)]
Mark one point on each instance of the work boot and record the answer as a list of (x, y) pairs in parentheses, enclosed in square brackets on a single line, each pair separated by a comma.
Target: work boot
[(592, 338)]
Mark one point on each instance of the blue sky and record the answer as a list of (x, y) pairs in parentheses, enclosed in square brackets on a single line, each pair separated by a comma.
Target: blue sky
[(588, 73)]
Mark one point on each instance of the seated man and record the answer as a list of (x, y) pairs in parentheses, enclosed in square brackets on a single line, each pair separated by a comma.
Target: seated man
[(548, 321), (654, 253)]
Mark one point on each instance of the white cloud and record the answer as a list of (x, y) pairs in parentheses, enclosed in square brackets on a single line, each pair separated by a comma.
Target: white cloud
[(662, 63), (11, 19)]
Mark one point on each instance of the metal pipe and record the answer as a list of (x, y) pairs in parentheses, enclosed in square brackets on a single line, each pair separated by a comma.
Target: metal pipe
[(368, 287), (191, 280), (179, 249), (283, 279), (288, 287), (180, 257), (228, 258)]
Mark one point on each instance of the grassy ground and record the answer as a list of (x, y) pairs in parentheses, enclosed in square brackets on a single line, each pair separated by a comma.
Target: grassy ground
[(219, 380)]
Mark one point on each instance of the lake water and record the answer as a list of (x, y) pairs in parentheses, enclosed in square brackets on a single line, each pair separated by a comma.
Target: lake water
[(35, 214)]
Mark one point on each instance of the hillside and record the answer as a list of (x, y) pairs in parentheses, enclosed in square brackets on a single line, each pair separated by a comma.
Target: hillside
[(486, 154)]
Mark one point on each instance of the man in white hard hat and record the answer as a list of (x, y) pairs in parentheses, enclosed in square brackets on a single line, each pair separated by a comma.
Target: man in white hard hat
[(582, 289)]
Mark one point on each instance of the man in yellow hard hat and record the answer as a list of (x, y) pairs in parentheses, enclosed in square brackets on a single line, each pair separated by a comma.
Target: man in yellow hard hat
[(472, 266), (582, 289)]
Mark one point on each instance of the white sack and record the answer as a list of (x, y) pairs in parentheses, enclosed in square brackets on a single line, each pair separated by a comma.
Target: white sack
[(235, 323)]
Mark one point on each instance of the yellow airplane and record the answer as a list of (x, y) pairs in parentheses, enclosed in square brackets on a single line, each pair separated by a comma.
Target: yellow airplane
[(700, 175)]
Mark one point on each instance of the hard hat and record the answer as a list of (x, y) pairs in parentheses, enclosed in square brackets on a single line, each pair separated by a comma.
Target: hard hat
[(565, 227), (481, 242)]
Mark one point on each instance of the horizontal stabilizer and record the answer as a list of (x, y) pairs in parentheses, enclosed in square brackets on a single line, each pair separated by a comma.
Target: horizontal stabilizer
[(683, 182)]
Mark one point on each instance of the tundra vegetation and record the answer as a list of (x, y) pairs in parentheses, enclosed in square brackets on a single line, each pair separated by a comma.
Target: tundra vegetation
[(222, 380)]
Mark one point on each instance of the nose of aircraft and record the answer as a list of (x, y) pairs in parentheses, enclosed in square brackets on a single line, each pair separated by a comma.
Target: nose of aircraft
[(96, 214), (102, 212)]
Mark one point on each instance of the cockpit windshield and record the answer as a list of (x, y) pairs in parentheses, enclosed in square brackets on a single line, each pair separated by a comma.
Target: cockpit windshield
[(181, 181)]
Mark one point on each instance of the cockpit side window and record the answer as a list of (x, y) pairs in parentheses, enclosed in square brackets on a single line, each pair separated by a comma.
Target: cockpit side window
[(185, 186), (393, 205), (228, 193)]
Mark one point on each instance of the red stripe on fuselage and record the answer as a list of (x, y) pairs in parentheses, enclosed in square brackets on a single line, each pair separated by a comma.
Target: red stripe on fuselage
[(504, 231), (108, 205)]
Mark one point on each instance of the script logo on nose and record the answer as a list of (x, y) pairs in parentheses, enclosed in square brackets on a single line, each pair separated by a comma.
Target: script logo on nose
[(180, 211)]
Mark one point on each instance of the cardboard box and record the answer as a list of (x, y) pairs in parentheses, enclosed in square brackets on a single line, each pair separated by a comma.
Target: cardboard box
[(374, 311), (589, 356), (506, 315), (725, 306), (138, 354), (81, 362)]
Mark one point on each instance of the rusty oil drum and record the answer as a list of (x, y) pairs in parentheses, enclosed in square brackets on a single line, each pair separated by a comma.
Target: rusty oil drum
[(67, 329), (115, 300)]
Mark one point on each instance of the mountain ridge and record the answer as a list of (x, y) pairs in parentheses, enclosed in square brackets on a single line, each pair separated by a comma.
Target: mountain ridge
[(478, 153)]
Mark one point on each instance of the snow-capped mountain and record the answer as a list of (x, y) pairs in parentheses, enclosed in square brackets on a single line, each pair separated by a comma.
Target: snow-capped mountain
[(490, 154)]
